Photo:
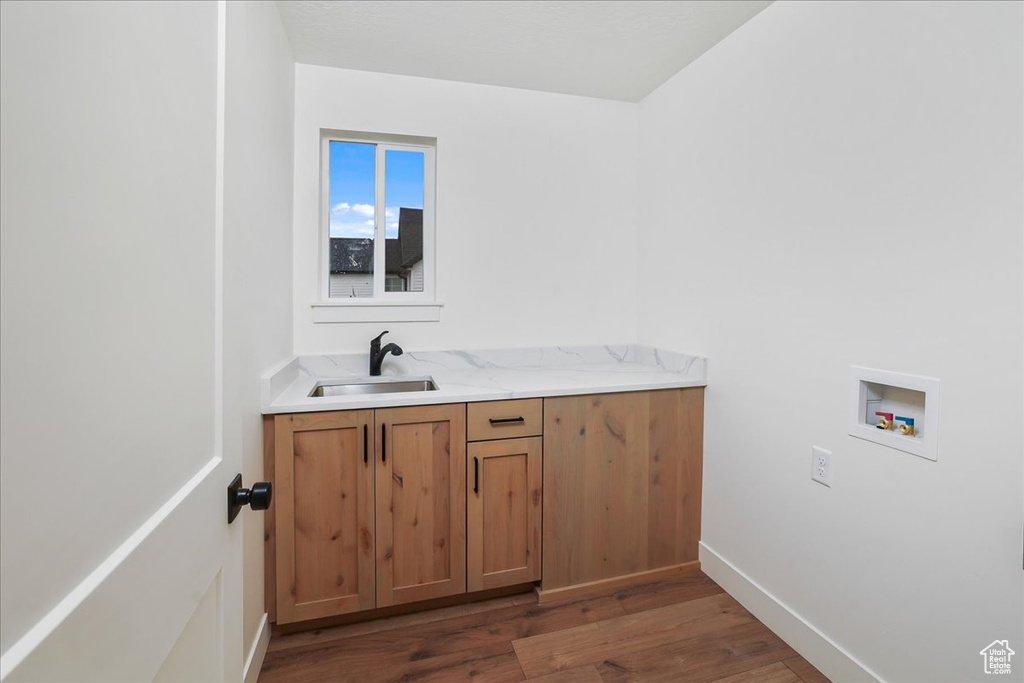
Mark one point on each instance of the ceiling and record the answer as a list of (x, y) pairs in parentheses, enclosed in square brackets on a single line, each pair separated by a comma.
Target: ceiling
[(613, 50)]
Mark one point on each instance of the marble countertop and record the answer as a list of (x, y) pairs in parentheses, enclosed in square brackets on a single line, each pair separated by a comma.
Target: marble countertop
[(483, 375)]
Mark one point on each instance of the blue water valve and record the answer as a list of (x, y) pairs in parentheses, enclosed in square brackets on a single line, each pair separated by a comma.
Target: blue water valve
[(907, 428)]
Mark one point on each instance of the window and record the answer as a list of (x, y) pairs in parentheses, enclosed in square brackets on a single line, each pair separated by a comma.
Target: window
[(395, 283), (378, 232)]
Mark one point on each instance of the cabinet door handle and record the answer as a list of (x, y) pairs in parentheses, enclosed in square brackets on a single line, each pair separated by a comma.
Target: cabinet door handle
[(476, 475), (383, 443), (366, 447), (505, 420)]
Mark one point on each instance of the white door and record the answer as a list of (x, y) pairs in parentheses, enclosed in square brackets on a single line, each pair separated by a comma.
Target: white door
[(117, 559)]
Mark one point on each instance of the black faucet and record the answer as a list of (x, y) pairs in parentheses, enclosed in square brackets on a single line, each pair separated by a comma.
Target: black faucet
[(377, 353)]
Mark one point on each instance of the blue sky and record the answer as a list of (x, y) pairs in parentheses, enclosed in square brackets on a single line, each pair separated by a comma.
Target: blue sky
[(351, 193)]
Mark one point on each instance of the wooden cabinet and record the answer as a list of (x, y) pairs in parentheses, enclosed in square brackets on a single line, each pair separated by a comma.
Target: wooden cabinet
[(375, 508), (421, 503), (369, 509), (622, 484), (504, 512), (324, 514)]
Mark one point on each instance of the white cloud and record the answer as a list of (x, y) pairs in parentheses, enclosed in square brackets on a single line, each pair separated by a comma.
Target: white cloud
[(350, 229), (345, 220), (391, 220), (344, 209)]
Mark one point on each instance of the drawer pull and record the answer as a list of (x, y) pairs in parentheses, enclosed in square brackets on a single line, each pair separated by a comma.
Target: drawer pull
[(506, 420)]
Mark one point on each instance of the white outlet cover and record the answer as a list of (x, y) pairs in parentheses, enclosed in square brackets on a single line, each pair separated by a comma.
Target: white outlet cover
[(821, 466)]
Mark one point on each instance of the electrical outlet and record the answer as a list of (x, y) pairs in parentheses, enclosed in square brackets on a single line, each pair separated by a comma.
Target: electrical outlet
[(821, 466)]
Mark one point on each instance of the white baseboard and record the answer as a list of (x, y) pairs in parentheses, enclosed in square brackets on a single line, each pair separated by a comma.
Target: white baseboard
[(254, 662), (813, 645)]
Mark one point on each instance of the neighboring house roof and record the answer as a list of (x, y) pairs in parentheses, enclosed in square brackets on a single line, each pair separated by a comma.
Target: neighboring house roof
[(355, 254), (410, 236), (351, 255), (392, 256)]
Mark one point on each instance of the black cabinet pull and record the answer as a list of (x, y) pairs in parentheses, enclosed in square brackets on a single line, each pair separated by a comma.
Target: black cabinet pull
[(366, 447), (476, 475), (506, 420), (383, 443)]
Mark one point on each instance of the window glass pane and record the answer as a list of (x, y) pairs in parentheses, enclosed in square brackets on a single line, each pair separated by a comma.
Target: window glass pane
[(350, 212), (403, 202)]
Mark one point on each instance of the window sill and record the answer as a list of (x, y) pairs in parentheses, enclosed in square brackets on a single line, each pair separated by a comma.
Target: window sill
[(371, 311)]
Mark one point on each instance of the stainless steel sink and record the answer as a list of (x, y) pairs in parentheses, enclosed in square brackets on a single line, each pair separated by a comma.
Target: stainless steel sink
[(366, 386)]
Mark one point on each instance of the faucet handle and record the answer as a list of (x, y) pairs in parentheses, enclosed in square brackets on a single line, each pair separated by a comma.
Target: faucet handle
[(376, 340)]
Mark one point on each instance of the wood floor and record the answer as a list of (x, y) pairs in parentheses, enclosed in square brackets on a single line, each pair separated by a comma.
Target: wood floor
[(680, 629)]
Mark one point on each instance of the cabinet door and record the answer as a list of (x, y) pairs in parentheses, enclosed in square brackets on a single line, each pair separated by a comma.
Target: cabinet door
[(421, 503), (622, 483), (325, 516), (503, 517)]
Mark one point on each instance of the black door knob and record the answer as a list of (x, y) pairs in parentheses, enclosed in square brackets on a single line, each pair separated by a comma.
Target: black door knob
[(258, 497)]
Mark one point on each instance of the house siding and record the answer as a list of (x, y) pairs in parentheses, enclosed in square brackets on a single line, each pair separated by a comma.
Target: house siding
[(416, 277), (343, 285)]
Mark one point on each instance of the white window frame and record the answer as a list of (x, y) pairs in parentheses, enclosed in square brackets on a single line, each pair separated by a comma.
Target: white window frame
[(383, 306)]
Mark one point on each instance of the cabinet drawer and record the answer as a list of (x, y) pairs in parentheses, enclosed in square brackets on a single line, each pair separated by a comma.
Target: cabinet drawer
[(505, 419)]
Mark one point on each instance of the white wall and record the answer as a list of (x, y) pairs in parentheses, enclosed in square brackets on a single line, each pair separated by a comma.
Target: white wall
[(835, 184), (257, 249), (536, 207), (107, 180)]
